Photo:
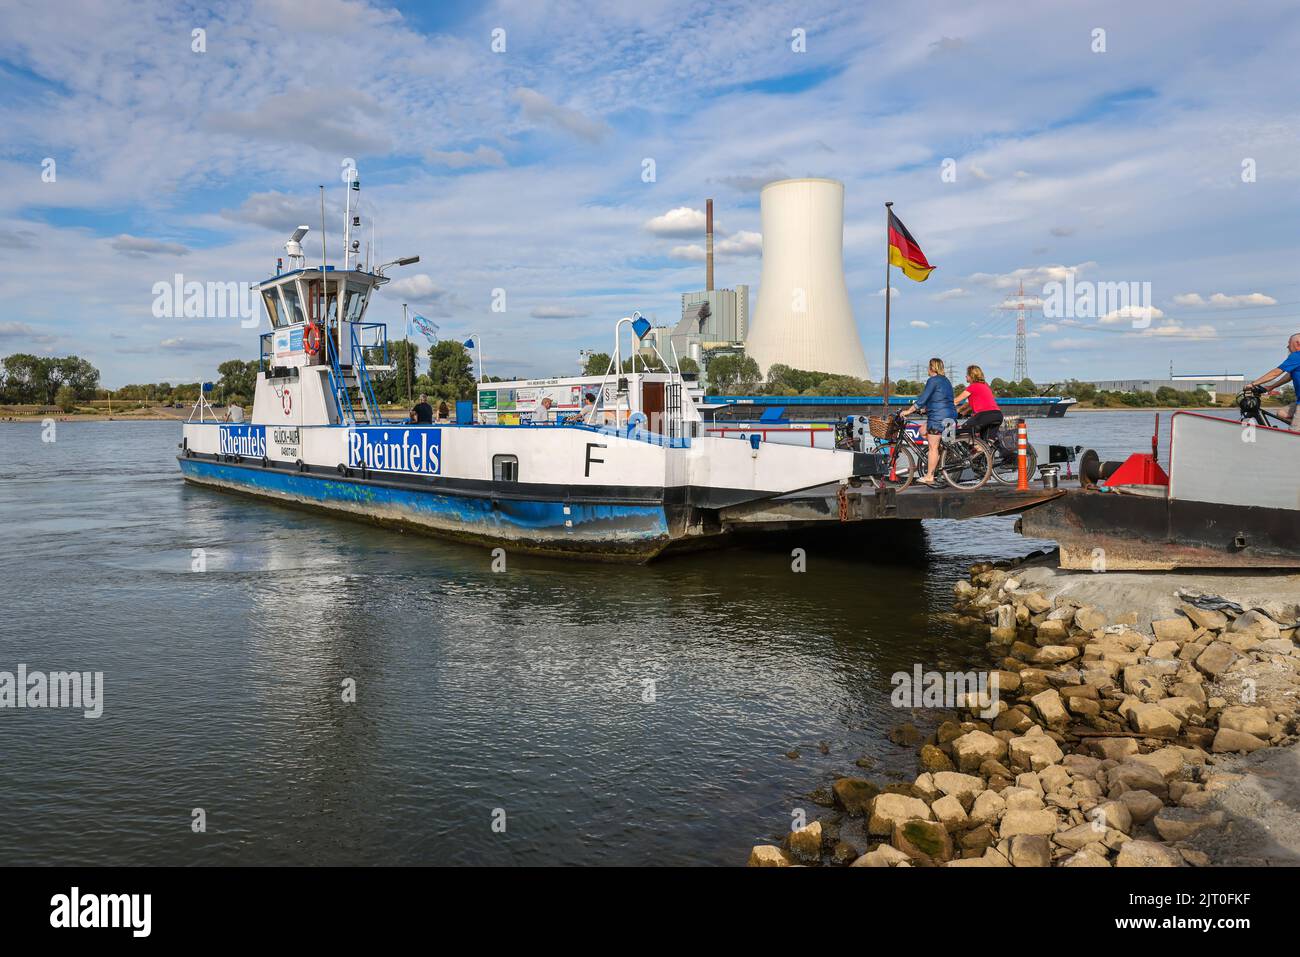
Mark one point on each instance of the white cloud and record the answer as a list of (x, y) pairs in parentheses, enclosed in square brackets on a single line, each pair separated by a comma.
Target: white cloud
[(743, 244), (894, 292), (539, 109), (278, 211), (919, 324), (1031, 276), (949, 294), (946, 45), (1176, 328), (139, 246), (1066, 342), (753, 182), (349, 126), (557, 312), (419, 289), (1221, 301), (679, 223), (979, 172), (461, 159), (8, 329), (1130, 314)]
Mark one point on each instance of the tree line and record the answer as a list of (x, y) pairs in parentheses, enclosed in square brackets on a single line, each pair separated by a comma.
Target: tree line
[(27, 379)]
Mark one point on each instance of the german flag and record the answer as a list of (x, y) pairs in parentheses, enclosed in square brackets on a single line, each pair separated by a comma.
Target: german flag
[(905, 253)]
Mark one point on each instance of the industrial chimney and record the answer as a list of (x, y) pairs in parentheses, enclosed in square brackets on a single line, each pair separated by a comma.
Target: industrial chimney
[(708, 244), (803, 318)]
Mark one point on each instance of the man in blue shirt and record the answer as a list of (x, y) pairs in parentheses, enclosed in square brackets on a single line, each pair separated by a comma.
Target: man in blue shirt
[(1288, 370)]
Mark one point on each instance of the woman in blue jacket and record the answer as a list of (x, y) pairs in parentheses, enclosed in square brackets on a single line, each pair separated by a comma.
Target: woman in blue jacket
[(940, 410)]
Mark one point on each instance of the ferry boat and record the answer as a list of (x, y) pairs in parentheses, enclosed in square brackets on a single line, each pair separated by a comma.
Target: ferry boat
[(630, 477)]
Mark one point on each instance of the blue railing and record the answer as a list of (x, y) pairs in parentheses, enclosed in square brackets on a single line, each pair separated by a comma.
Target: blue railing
[(337, 383), (359, 361)]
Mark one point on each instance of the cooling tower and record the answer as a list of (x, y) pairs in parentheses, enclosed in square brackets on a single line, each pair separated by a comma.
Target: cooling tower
[(803, 319)]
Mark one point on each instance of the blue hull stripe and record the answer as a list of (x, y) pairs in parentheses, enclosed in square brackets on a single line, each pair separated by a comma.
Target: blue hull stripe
[(618, 529)]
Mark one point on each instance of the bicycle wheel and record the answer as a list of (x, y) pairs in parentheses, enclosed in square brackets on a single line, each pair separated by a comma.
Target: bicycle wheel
[(1006, 468), (966, 463), (904, 466)]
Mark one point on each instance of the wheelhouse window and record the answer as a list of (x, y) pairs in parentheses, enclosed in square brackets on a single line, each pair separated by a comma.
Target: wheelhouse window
[(505, 468), (274, 309), (356, 302), (292, 304)]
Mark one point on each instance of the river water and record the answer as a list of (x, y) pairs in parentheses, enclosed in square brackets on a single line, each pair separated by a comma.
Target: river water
[(555, 713)]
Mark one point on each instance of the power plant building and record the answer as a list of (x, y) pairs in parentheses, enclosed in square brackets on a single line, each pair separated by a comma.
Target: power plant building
[(803, 319), (1211, 383), (712, 320)]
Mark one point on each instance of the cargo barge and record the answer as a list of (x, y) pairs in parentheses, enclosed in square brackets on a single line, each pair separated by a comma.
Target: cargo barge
[(826, 408), (1231, 499)]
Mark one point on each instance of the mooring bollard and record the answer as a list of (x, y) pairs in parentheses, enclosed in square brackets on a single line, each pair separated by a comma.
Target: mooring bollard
[(1022, 457)]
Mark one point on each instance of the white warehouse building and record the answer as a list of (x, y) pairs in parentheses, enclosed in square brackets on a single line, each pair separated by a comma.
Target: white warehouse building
[(803, 318)]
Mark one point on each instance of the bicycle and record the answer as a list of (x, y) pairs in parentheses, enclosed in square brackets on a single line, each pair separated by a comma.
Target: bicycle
[(1252, 409), (965, 461), (891, 440), (1006, 458)]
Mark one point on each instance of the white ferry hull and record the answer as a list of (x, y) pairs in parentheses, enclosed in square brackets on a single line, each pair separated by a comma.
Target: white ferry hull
[(602, 494)]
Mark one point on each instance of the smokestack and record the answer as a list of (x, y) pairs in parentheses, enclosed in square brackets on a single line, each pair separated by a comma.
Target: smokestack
[(708, 247)]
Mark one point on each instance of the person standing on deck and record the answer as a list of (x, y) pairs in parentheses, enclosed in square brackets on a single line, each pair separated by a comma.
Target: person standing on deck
[(940, 410)]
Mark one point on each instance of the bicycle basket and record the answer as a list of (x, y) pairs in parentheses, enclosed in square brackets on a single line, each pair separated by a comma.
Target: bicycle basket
[(882, 427)]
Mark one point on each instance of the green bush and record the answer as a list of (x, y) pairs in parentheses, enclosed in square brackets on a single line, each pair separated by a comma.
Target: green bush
[(66, 398)]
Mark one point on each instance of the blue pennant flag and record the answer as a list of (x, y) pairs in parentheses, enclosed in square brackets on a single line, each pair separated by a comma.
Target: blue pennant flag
[(469, 343), (641, 326), (427, 329)]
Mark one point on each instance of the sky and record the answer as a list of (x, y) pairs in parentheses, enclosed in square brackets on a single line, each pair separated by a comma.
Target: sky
[(507, 144)]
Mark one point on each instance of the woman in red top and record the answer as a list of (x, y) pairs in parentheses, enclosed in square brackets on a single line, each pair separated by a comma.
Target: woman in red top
[(985, 417)]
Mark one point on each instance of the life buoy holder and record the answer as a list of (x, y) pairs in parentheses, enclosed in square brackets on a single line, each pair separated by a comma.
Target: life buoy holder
[(312, 340)]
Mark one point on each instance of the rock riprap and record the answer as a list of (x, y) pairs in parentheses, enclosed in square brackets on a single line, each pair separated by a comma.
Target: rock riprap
[(1103, 749)]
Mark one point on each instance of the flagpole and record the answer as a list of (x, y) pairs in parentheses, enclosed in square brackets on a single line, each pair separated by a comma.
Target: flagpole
[(884, 385), (408, 365)]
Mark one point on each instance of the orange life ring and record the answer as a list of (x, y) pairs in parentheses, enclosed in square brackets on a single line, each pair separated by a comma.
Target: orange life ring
[(311, 340)]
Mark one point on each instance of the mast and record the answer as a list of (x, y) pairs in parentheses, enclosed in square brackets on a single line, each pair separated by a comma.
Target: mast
[(324, 290), (347, 222), (408, 363), (884, 390)]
